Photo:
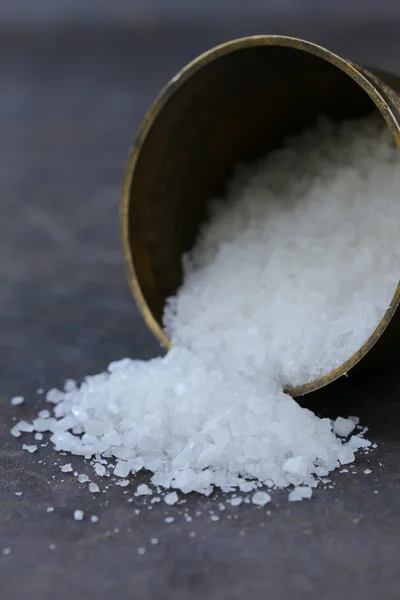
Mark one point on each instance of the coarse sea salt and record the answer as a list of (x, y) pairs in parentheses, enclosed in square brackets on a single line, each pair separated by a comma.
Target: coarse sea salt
[(287, 279)]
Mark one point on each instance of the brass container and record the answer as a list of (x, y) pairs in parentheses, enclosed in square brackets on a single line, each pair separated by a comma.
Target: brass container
[(231, 105)]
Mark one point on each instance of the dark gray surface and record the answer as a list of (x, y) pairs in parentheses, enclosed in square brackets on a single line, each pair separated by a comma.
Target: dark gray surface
[(70, 102)]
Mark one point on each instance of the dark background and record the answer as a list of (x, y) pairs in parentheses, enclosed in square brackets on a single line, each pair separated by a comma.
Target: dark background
[(76, 77)]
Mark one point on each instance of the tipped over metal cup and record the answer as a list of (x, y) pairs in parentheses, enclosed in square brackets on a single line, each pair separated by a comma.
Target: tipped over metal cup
[(232, 105)]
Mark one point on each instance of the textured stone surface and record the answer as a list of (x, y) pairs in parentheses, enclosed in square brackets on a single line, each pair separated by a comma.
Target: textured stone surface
[(70, 102)]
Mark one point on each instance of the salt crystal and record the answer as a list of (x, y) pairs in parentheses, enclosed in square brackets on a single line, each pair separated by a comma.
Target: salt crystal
[(29, 448), (122, 469), (236, 501), (122, 482), (246, 486), (260, 498), (111, 438), (67, 468), (24, 426), (94, 518), (6, 551), (18, 493), (141, 550), (69, 385), (82, 478), (343, 427), (299, 493), (154, 541), (171, 498), (93, 488), (143, 490), (52, 546), (99, 469), (50, 509), (44, 414), (38, 436), (17, 400), (169, 519), (367, 471), (78, 515)]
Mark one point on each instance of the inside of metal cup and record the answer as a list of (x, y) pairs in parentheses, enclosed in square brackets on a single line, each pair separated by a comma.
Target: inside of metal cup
[(230, 106)]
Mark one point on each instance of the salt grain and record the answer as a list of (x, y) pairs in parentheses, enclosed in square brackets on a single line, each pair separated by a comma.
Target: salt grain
[(171, 498), (17, 400), (143, 490), (99, 469), (343, 427), (82, 478), (66, 468), (261, 498), (29, 448), (93, 488), (154, 541), (236, 501), (300, 493), (122, 483), (78, 515)]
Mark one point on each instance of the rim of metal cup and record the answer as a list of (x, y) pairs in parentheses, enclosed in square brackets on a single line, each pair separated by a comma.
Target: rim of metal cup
[(359, 75)]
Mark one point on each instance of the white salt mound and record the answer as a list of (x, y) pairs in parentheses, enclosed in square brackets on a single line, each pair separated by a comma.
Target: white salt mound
[(293, 275), (286, 281)]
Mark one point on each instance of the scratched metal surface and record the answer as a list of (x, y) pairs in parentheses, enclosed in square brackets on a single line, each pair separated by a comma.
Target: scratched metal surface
[(70, 101)]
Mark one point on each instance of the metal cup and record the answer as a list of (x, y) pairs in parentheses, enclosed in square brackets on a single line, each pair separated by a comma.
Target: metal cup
[(231, 105)]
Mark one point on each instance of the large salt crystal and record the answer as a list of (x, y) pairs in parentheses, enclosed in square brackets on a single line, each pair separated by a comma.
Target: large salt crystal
[(171, 498), (122, 468), (143, 490), (285, 282), (300, 493), (260, 498), (343, 427)]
